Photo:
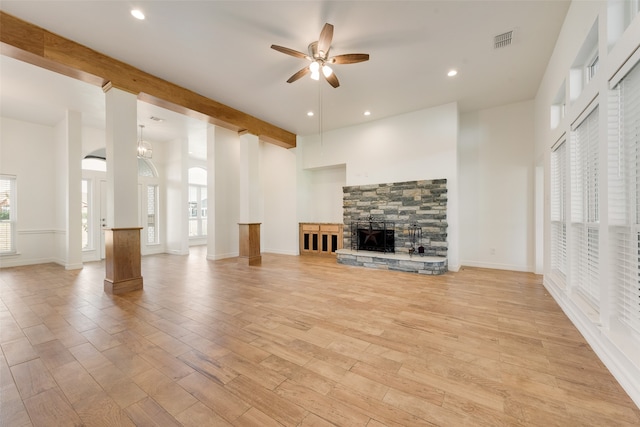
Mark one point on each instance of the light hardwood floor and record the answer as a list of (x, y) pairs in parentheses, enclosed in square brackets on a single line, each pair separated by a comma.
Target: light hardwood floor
[(299, 341)]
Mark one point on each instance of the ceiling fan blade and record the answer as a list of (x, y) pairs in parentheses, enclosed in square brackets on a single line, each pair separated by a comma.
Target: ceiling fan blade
[(324, 42), (298, 75), (290, 51), (332, 79), (349, 58)]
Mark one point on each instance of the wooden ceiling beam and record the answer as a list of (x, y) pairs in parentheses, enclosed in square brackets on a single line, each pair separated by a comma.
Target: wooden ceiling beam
[(29, 43)]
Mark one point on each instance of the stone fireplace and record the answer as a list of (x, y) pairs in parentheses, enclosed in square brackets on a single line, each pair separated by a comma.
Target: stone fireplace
[(406, 221)]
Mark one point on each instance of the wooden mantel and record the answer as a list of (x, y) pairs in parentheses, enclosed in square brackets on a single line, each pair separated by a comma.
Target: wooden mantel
[(37, 46)]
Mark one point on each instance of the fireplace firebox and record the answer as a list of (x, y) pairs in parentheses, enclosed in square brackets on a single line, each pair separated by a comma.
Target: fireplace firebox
[(371, 235)]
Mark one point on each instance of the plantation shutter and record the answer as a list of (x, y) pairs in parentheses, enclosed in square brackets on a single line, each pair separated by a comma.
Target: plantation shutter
[(624, 198), (558, 211), (584, 208)]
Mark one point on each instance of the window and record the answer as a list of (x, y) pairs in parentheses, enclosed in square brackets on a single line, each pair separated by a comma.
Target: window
[(558, 212), (624, 198), (198, 202), (592, 67), (94, 164), (146, 168), (152, 214), (197, 210), (7, 214), (584, 208), (87, 242)]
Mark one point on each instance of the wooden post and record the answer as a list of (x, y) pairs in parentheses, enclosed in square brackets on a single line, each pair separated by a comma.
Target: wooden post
[(250, 244), (122, 260)]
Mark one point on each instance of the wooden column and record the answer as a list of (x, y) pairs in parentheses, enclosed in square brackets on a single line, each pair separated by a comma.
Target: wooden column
[(250, 244), (122, 259)]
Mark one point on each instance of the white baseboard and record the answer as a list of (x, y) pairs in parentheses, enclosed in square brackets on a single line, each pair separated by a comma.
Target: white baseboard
[(177, 252), (75, 266), (281, 252), (498, 266), (18, 262), (217, 257)]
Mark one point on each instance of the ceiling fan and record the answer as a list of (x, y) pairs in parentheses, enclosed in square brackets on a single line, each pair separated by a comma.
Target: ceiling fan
[(319, 58)]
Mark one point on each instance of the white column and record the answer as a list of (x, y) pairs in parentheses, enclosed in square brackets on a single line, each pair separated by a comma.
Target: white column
[(249, 226), (223, 165), (249, 179), (122, 237), (177, 175), (211, 192), (122, 160), (73, 123)]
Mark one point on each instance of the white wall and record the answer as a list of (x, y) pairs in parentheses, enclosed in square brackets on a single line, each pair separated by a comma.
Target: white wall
[(26, 151), (496, 171), (415, 146), (279, 229)]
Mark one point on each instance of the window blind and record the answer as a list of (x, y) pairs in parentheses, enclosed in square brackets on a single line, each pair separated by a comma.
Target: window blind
[(7, 214), (558, 212), (624, 198), (584, 208)]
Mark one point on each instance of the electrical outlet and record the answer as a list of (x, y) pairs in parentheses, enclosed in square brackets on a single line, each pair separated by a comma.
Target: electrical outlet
[(492, 251)]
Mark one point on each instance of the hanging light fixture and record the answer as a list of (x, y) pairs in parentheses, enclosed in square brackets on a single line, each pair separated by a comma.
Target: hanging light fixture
[(145, 150)]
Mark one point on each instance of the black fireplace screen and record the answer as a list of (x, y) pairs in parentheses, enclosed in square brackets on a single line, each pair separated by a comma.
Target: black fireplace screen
[(375, 240), (373, 236)]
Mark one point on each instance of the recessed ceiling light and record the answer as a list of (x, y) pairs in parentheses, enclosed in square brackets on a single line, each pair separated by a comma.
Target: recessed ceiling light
[(310, 114), (452, 73), (367, 113), (137, 13)]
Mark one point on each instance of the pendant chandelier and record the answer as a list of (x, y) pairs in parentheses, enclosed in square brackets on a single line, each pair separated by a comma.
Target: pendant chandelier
[(145, 150)]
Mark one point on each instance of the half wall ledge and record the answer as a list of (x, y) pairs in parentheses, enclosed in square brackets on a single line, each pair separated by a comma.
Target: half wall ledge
[(431, 265)]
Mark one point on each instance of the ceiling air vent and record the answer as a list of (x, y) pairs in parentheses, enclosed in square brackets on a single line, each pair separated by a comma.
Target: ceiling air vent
[(502, 40)]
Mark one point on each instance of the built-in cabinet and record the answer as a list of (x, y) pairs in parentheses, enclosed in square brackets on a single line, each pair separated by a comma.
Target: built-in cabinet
[(320, 238)]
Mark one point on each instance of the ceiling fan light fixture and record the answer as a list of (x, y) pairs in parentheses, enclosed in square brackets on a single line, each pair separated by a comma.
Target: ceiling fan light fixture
[(320, 59)]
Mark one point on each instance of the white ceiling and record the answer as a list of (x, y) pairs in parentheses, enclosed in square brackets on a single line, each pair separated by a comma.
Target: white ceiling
[(221, 49)]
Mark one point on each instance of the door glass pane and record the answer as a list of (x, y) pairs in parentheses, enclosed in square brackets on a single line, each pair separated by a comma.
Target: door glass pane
[(152, 203), (86, 223)]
